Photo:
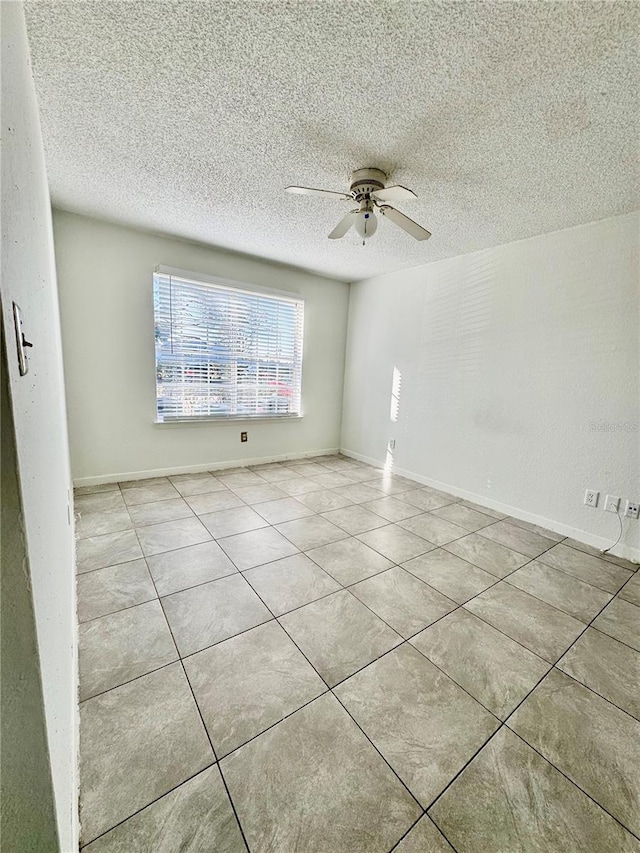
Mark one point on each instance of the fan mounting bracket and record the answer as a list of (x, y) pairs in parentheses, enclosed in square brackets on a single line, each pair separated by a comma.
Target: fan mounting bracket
[(366, 181)]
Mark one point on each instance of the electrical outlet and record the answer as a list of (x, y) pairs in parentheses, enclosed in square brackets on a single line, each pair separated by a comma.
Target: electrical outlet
[(631, 509), (591, 497), (243, 436), (392, 444), (612, 503)]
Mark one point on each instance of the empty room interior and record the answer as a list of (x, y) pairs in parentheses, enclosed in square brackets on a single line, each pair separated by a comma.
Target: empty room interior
[(320, 426)]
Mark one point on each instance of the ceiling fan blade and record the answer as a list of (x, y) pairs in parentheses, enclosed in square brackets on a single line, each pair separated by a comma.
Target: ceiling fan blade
[(312, 191), (396, 193), (405, 223), (343, 226)]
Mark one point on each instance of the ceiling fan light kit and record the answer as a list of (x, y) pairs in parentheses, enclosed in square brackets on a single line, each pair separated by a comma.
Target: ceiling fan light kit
[(368, 190)]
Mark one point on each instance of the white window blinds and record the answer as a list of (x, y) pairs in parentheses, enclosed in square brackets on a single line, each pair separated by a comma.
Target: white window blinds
[(222, 351)]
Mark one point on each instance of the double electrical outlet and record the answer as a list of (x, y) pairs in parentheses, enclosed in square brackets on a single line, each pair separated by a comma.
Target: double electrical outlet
[(612, 503)]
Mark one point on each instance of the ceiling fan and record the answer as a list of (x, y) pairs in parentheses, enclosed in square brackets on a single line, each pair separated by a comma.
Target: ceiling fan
[(368, 190)]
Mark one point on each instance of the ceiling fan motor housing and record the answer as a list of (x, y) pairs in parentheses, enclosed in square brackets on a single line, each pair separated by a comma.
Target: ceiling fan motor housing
[(366, 181)]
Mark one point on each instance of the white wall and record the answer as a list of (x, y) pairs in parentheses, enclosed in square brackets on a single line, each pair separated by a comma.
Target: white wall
[(28, 277), (105, 280), (520, 375)]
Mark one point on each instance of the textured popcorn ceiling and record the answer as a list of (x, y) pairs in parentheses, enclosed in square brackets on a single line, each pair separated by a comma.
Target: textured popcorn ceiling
[(507, 119)]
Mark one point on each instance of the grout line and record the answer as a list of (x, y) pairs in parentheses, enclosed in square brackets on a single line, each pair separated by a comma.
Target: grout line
[(592, 690), (404, 834), (204, 726), (331, 690), (143, 808), (426, 817), (569, 779)]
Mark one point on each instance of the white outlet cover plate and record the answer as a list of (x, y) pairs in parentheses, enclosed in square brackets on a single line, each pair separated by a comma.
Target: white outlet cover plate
[(631, 509), (591, 497), (612, 503)]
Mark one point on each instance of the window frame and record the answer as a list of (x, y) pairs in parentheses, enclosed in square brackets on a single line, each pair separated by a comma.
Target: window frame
[(251, 290)]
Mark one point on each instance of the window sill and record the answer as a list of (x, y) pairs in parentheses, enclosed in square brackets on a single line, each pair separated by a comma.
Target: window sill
[(220, 421)]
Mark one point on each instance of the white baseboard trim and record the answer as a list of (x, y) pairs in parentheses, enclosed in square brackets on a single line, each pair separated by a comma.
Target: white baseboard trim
[(197, 469), (621, 550)]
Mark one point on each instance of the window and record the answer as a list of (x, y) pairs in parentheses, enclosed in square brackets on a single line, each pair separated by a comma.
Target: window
[(224, 351)]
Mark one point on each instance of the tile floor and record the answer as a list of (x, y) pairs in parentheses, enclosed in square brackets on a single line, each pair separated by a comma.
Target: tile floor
[(311, 656)]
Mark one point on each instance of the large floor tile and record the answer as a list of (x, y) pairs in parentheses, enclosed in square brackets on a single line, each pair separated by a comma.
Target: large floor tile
[(308, 469), (240, 479), (283, 509), (300, 486), (171, 535), (631, 590), (229, 522), (99, 502), (393, 509), (307, 533), (358, 492), (324, 500), (433, 529), (593, 570), (314, 784), (543, 629), (423, 724), (355, 519), (137, 742), (349, 560), (250, 682), (122, 646), (339, 635), (159, 511), (289, 583), (257, 547), (591, 741), (621, 620), (608, 667), (96, 552), (342, 464), (114, 588), (464, 516), (487, 555), (517, 538), (510, 800), (260, 493), (364, 474), (494, 669), (208, 614), (196, 817), (563, 591), (142, 492), (176, 570), (392, 485), (196, 484), (332, 479), (451, 575), (426, 499), (395, 543), (424, 837), (280, 475), (404, 602), (215, 501), (89, 524)]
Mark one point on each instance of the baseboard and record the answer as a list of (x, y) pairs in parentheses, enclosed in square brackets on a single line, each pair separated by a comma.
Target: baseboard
[(620, 550), (197, 469)]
